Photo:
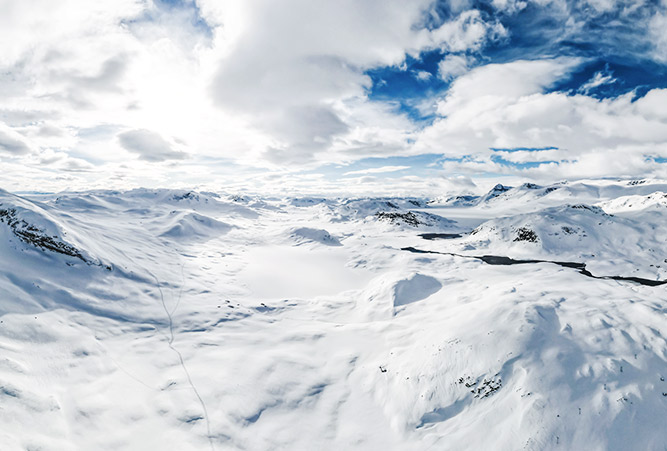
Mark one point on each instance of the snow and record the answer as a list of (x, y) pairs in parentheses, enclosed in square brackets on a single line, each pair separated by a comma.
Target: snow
[(191, 226), (656, 200), (415, 288), (580, 233), (227, 322), (309, 235)]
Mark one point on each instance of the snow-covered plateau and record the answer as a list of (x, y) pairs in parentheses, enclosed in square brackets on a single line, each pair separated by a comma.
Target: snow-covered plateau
[(528, 318)]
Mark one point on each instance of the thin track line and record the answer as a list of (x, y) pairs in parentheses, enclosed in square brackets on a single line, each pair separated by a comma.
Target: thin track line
[(180, 358)]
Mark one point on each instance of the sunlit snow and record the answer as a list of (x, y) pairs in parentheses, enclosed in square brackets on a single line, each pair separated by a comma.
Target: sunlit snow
[(165, 319)]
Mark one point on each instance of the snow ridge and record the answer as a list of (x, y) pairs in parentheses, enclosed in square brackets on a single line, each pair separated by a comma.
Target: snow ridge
[(213, 320)]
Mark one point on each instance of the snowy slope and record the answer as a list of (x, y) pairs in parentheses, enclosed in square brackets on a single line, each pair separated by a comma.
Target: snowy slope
[(576, 233), (169, 319), (656, 200), (532, 197)]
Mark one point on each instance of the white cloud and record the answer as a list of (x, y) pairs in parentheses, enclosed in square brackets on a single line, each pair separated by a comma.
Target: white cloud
[(657, 29), (423, 75), (599, 79), (149, 145), (380, 170), (12, 143), (531, 156), (506, 106), (511, 6), (652, 105), (278, 66), (452, 66), (282, 87), (62, 29), (468, 32), (259, 83), (510, 80)]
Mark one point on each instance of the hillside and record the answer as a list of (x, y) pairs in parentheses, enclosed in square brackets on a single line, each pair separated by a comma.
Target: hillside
[(166, 319)]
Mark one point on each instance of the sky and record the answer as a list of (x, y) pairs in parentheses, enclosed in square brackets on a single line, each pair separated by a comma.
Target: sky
[(330, 96)]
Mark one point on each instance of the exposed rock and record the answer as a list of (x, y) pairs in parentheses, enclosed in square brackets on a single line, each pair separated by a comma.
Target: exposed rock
[(525, 234), (32, 235)]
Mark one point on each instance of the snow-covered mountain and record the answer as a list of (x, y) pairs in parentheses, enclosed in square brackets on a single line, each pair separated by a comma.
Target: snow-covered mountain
[(168, 319), (631, 246), (656, 200), (507, 197)]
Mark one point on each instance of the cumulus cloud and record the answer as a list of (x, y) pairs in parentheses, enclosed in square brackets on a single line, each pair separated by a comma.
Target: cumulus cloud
[(149, 145), (423, 75), (451, 66), (508, 107), (280, 66), (289, 86), (276, 60), (469, 31)]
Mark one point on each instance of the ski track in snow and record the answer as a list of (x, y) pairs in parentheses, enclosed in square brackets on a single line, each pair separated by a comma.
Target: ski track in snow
[(300, 324), (180, 356)]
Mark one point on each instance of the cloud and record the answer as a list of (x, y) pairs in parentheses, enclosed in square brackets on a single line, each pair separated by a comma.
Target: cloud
[(383, 169), (509, 80), (77, 165), (300, 131), (509, 106), (599, 79), (290, 87), (277, 60), (45, 25), (452, 66), (279, 65), (468, 32), (531, 156), (12, 143), (50, 157), (657, 28), (423, 75), (149, 145)]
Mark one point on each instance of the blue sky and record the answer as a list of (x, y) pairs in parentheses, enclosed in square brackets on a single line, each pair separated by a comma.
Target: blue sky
[(347, 95), (611, 43)]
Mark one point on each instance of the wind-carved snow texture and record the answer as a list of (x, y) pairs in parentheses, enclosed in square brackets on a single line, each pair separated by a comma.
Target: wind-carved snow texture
[(166, 319)]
